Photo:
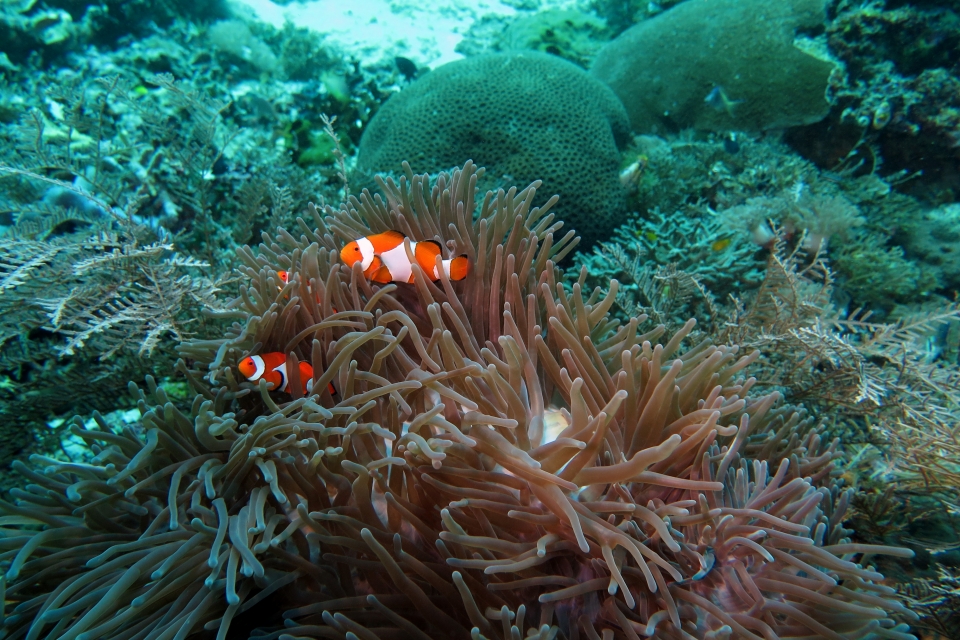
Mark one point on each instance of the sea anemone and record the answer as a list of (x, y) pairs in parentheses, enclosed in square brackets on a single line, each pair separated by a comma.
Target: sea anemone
[(422, 497)]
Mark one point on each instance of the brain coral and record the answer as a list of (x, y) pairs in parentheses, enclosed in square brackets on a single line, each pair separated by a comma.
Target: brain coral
[(525, 116), (664, 68)]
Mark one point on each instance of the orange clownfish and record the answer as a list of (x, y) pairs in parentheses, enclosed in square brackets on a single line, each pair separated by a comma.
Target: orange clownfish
[(272, 367), (384, 259)]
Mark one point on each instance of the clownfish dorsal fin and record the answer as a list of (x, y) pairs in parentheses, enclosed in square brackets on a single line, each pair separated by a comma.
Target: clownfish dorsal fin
[(426, 253), (273, 360), (385, 241)]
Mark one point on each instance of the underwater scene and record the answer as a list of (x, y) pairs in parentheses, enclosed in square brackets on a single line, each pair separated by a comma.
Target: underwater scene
[(480, 319)]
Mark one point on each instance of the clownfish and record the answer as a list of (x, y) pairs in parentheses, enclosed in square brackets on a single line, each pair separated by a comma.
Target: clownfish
[(384, 259), (272, 367)]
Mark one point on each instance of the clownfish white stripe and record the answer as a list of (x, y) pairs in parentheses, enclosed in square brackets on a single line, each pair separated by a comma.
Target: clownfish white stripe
[(282, 370), (261, 368), (397, 262), (367, 251), (446, 269)]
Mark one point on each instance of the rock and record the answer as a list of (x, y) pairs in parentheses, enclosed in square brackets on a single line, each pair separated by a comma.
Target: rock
[(720, 65)]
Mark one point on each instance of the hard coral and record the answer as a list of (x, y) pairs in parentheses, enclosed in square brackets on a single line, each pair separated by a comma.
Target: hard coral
[(899, 95), (425, 501), (664, 68), (524, 115), (567, 33)]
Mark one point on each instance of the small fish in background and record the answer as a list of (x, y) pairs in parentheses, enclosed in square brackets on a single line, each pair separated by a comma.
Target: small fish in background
[(730, 144), (721, 244), (272, 367), (630, 176), (406, 67), (718, 100), (383, 258), (336, 86)]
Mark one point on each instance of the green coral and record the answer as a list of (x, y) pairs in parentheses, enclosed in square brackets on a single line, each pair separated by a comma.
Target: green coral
[(664, 68), (569, 34), (525, 116), (674, 266), (676, 171), (879, 275), (936, 241)]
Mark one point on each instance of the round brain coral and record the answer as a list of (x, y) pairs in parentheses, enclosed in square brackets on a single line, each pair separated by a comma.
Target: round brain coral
[(421, 499), (523, 115)]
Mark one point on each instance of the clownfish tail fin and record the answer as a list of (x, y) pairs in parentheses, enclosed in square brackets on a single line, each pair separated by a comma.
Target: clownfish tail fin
[(459, 267)]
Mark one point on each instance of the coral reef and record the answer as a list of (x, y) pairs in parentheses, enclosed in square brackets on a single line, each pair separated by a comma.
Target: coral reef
[(565, 33), (620, 15), (936, 241), (86, 297), (92, 283), (423, 500), (49, 30), (673, 267), (707, 191), (896, 108), (546, 119), (720, 65), (124, 194), (533, 451)]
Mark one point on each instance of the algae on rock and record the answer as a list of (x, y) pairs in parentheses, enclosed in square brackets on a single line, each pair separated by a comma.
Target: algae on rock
[(743, 51)]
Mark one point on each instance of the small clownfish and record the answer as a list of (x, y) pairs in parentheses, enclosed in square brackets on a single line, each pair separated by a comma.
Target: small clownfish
[(285, 279), (272, 367), (384, 259)]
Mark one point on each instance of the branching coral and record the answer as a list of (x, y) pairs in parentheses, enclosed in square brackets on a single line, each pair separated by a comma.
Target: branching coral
[(112, 196), (424, 500), (86, 298), (669, 266)]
